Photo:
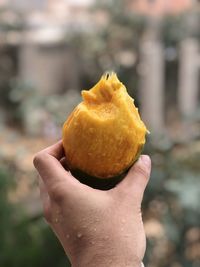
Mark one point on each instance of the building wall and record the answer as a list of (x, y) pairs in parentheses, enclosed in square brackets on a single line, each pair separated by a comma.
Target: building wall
[(27, 4), (48, 69), (159, 7)]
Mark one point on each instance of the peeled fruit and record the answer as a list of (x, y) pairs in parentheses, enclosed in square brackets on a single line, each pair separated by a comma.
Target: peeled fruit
[(104, 135)]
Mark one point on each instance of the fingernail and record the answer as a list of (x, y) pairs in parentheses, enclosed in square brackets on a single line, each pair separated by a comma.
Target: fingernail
[(146, 160)]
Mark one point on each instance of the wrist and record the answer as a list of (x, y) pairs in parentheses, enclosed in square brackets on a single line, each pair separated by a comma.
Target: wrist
[(103, 261), (106, 257)]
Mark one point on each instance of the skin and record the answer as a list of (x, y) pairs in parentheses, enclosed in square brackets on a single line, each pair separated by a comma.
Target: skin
[(96, 228)]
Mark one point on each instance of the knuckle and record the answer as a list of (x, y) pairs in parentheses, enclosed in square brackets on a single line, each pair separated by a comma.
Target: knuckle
[(141, 170), (37, 159), (56, 193)]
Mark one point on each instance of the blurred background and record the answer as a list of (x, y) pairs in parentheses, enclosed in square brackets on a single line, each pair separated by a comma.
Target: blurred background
[(49, 51)]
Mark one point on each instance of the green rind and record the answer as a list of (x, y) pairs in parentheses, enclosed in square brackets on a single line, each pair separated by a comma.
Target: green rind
[(97, 183), (104, 183)]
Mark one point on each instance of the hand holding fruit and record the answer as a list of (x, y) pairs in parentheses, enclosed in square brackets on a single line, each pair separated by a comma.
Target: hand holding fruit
[(96, 228), (102, 138)]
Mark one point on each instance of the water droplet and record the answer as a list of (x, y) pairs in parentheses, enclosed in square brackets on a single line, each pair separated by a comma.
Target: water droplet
[(58, 212), (56, 220), (79, 235), (95, 229), (92, 242), (68, 236)]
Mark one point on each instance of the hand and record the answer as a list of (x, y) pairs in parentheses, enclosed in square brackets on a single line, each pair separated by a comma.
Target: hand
[(96, 228)]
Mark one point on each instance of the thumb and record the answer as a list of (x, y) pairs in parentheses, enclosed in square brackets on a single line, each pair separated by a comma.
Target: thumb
[(137, 178)]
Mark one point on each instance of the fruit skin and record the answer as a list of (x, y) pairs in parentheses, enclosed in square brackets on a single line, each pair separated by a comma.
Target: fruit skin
[(104, 135), (103, 183)]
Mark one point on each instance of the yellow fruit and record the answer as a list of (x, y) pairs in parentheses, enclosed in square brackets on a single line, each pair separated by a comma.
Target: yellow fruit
[(104, 135)]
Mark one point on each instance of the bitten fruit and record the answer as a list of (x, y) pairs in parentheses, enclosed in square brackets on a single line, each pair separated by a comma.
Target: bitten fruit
[(104, 135)]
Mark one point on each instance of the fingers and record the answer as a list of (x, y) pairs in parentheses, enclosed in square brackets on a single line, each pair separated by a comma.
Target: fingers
[(136, 180), (56, 150), (63, 162), (47, 163)]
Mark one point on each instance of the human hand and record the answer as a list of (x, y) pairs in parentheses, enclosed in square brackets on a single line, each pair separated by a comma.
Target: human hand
[(96, 228)]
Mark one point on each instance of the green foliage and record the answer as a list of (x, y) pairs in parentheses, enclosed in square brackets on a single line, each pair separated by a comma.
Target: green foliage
[(25, 242), (172, 198), (177, 28)]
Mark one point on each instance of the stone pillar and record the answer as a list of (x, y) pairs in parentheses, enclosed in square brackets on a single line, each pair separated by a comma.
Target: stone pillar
[(188, 89), (27, 57), (151, 72)]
